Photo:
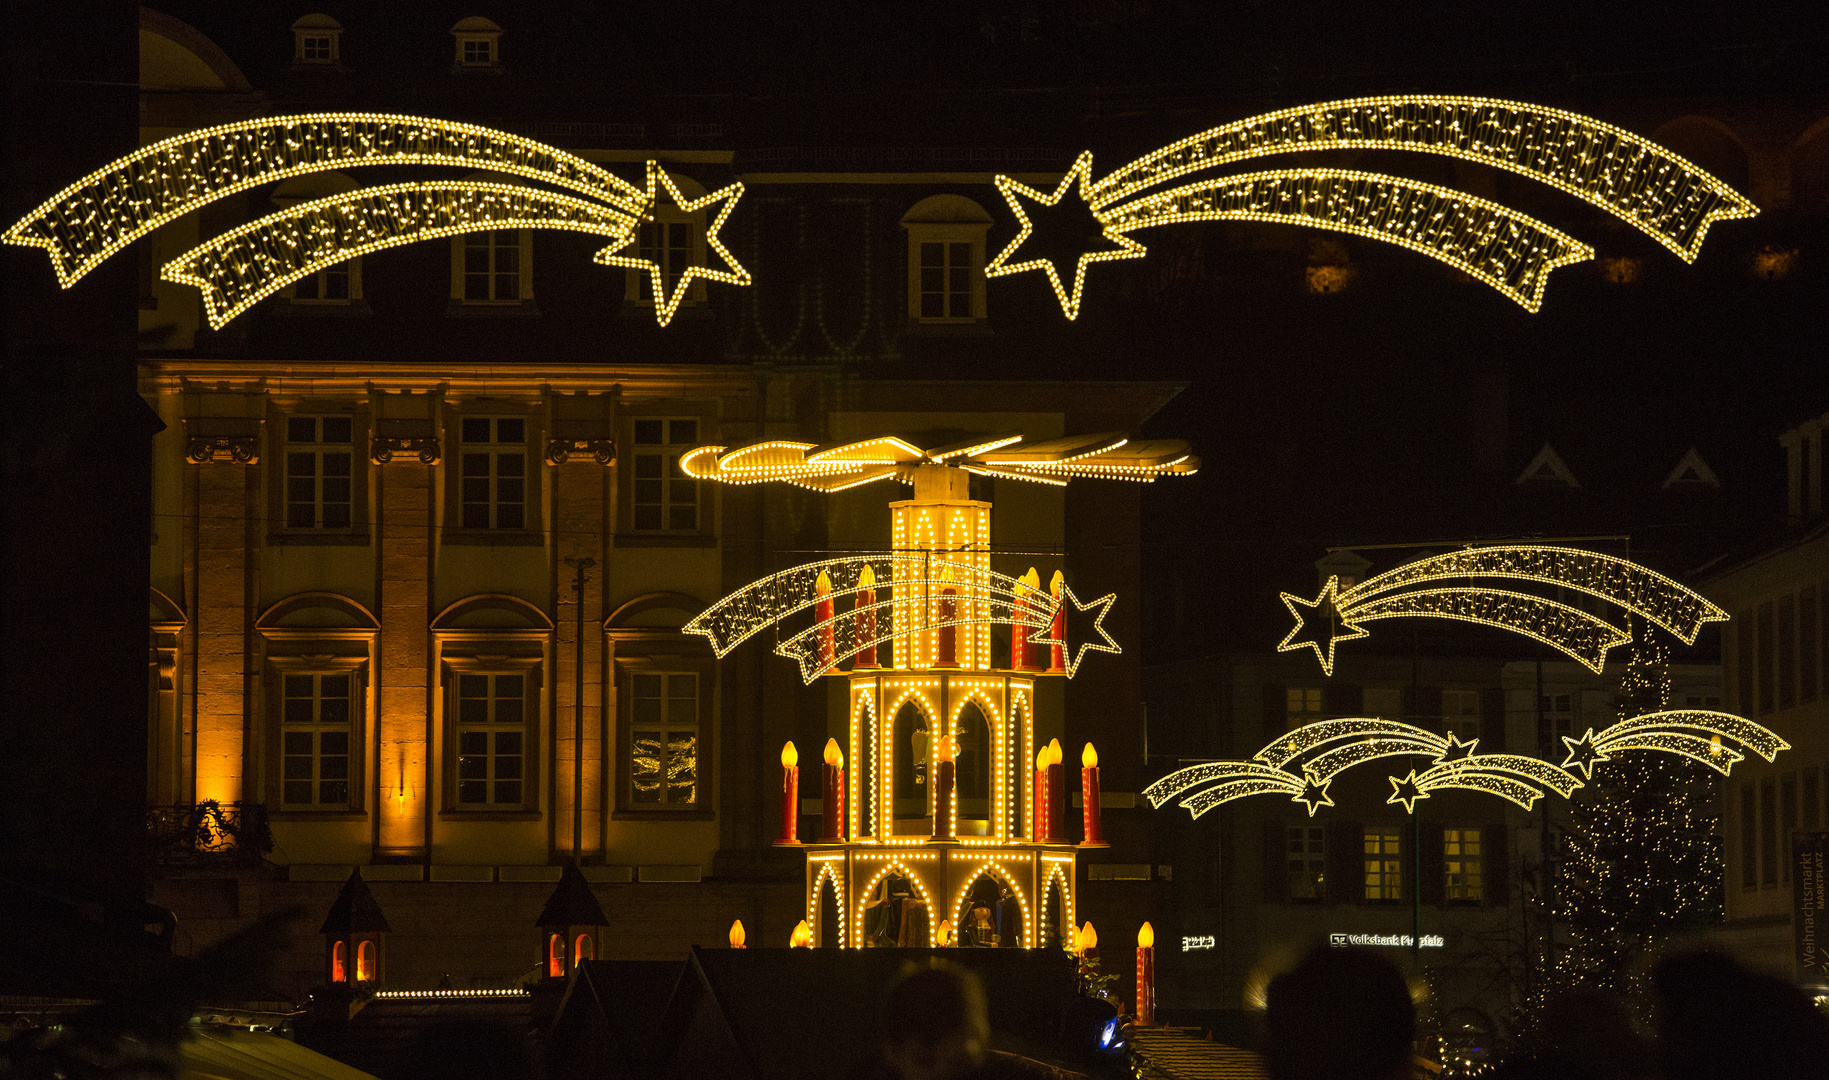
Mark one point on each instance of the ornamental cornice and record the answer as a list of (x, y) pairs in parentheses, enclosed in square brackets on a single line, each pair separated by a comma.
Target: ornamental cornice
[(382, 449), (235, 449), (559, 450)]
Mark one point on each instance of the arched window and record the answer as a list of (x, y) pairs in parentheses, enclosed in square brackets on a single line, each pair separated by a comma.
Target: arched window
[(338, 958), (975, 765), (583, 949), (828, 914), (555, 955), (365, 961), (910, 761), (1053, 911)]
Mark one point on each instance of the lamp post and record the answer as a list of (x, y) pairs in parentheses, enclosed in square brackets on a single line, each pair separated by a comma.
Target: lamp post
[(579, 564)]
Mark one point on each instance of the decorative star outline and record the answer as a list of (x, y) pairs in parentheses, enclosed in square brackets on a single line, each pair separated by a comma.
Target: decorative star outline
[(1322, 604), (1406, 791), (665, 306), (1001, 266), (1314, 793), (1583, 754), (1456, 750), (1073, 656)]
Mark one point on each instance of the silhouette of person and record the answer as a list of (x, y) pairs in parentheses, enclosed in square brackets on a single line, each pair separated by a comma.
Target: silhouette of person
[(1716, 1019), (1340, 1014), (935, 1026)]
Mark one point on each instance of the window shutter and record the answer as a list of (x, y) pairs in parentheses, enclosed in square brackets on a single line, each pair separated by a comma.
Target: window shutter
[(1492, 720), (1276, 862), (1343, 699), (1495, 863), (1435, 867), (1346, 862), (1276, 711), (1423, 707)]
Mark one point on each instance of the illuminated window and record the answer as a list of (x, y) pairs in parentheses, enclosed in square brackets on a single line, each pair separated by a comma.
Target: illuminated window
[(495, 266), (1461, 713), (1303, 706), (555, 955), (1307, 862), (664, 739), (1383, 863), (494, 479), (365, 961), (491, 739), (339, 971), (665, 499), (315, 740), (320, 460), (583, 950), (332, 285), (1461, 855)]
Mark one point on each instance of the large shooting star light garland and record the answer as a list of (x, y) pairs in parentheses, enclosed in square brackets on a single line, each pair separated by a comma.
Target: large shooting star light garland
[(129, 198), (1626, 175), (1421, 589), (1673, 732)]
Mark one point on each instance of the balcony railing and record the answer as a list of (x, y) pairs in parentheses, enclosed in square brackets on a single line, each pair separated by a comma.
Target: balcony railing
[(208, 833)]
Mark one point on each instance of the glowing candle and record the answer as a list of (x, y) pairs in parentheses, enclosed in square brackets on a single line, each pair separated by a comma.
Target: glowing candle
[(1057, 654), (945, 774), (832, 812), (866, 617), (1089, 798), (1146, 974), (1019, 634), (802, 937), (822, 617), (945, 933), (737, 936), (1038, 816), (1057, 794), (790, 796), (1086, 945)]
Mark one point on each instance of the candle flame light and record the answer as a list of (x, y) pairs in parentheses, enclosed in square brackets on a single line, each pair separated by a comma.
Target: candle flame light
[(1088, 938), (1041, 759), (833, 755), (946, 749), (1054, 752), (1146, 937), (802, 937), (1089, 758), (790, 757), (945, 933), (737, 936)]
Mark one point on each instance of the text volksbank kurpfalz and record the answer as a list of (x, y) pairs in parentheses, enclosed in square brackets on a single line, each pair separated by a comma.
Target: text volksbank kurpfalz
[(1395, 941)]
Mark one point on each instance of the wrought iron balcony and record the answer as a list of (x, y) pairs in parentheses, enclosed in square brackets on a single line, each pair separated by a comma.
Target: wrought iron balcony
[(208, 833)]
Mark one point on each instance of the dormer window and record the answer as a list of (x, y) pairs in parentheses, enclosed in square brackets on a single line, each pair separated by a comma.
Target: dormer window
[(946, 260), (478, 44), (315, 41)]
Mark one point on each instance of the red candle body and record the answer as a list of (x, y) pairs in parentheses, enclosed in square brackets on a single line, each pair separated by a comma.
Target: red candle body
[(790, 805), (1038, 817), (945, 775), (1019, 634), (1089, 805), (866, 628), (832, 812), (1057, 798), (1146, 985)]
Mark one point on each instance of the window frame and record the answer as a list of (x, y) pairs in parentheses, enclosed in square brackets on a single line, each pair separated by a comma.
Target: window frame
[(1295, 718), (1465, 725), (1311, 860), (626, 667), (627, 535), (355, 297), (533, 747), (1384, 875), (532, 529), (933, 232), (637, 293), (524, 273), (279, 440), (1459, 835), (277, 668)]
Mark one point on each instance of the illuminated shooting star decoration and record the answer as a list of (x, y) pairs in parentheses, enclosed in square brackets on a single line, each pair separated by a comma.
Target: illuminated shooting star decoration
[(1509, 776), (1464, 585), (127, 199), (1636, 180), (1301, 764), (1674, 732)]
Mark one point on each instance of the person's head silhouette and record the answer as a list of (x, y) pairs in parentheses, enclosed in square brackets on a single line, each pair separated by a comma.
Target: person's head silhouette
[(1340, 1014), (1718, 1020), (935, 1024)]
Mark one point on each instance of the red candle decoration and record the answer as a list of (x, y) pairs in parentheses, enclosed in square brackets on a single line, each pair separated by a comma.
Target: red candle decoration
[(790, 796), (1057, 794), (1057, 653), (1019, 633), (1038, 812), (866, 618), (822, 617), (1089, 798), (1146, 974), (945, 776), (832, 812)]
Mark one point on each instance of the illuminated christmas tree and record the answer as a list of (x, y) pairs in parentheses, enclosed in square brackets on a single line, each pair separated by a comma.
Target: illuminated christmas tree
[(1642, 863)]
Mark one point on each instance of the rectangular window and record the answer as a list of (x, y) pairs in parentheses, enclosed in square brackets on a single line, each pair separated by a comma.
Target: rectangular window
[(1812, 800), (491, 736), (1307, 862), (1787, 651), (1387, 704), (1303, 706), (1558, 720), (1806, 644), (668, 245), (1461, 713), (479, 52), (1749, 838), (331, 285), (319, 461), (492, 265), (314, 740), (664, 739), (1461, 859), (666, 500), (946, 281), (1763, 662), (1746, 662), (494, 478), (314, 50), (1787, 821), (1383, 863), (1768, 831)]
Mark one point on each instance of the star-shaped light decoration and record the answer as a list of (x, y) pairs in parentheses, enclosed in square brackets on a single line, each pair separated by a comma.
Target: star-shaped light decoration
[(1583, 754), (1406, 791), (1001, 265), (1456, 750), (1076, 645), (1308, 630), (664, 305), (1314, 793)]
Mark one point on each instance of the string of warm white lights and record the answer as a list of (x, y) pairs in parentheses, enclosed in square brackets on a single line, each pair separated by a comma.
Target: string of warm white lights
[(1013, 191), (1104, 456), (1671, 732), (1075, 652), (1561, 626), (1512, 252), (1636, 180), (664, 305), (128, 198), (245, 265), (1509, 776), (1286, 748)]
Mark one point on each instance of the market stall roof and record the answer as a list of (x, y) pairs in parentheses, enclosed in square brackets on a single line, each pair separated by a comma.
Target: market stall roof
[(223, 1053)]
